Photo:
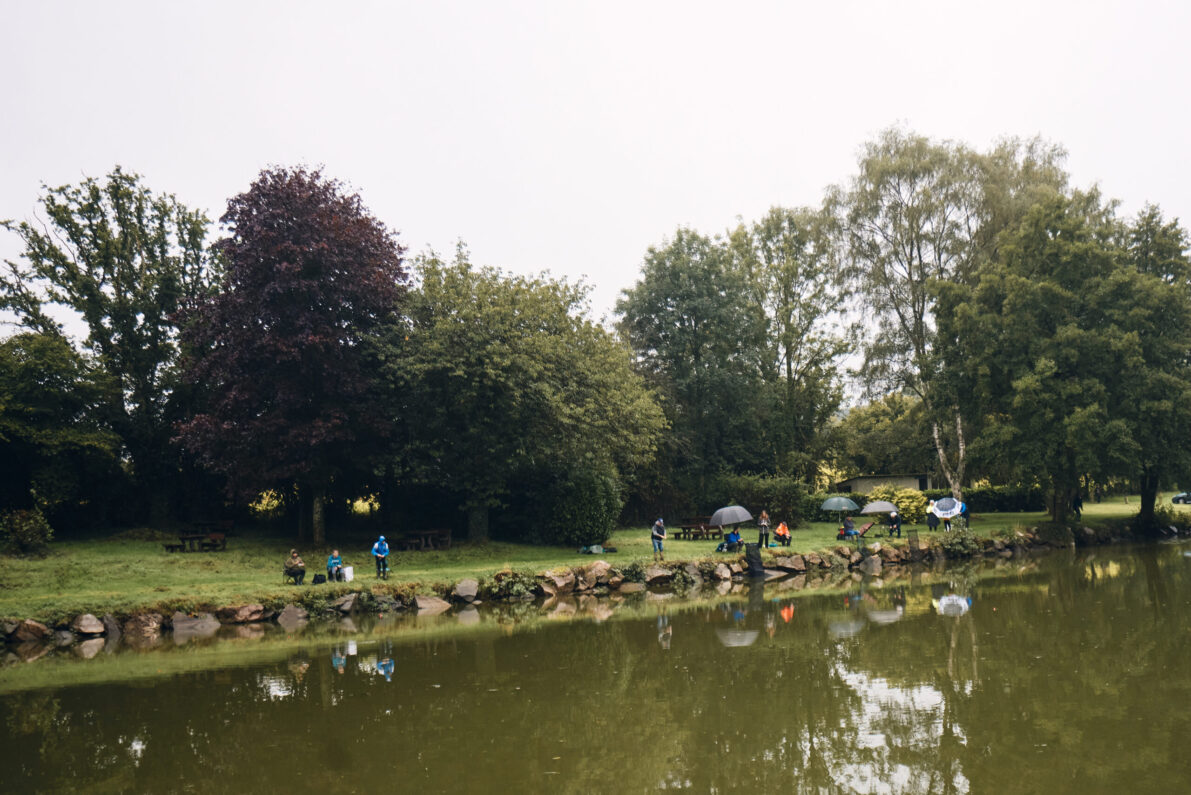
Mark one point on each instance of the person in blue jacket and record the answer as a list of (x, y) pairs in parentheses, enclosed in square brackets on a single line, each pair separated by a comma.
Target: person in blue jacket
[(380, 551), (731, 542), (334, 567)]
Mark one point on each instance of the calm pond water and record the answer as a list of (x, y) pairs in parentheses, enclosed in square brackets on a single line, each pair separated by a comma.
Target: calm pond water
[(1069, 673)]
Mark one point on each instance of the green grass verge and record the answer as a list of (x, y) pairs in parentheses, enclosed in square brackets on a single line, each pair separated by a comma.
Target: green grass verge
[(117, 574)]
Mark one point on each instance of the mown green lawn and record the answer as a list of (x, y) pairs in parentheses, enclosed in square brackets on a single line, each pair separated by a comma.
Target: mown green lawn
[(118, 574)]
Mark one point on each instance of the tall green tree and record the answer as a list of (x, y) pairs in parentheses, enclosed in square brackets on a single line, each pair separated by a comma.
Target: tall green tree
[(917, 213), (694, 322), (1158, 247), (790, 260), (887, 436), (1045, 342), (282, 348), (495, 378), (123, 260), (1156, 397), (55, 452)]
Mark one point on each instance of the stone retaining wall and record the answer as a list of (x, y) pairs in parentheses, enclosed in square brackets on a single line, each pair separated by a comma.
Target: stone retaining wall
[(86, 634)]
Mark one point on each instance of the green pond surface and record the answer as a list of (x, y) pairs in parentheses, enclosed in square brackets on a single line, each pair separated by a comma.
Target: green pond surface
[(1062, 673)]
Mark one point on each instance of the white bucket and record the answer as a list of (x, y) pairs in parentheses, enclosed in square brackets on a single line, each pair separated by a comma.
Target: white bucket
[(349, 573)]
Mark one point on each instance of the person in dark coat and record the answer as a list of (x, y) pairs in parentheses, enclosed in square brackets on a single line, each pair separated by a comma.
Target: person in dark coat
[(932, 519), (657, 535), (895, 524), (295, 567)]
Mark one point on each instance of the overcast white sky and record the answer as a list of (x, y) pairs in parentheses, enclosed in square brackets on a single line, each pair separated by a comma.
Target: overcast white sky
[(570, 136)]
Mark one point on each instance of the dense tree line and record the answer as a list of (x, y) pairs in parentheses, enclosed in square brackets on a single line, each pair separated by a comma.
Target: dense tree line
[(1003, 327), (292, 357), (963, 313)]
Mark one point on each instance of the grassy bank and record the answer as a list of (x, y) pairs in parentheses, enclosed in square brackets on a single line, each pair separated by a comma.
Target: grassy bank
[(129, 571)]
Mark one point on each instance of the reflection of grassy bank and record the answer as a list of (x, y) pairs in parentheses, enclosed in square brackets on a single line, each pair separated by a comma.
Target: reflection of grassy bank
[(119, 575), (274, 645)]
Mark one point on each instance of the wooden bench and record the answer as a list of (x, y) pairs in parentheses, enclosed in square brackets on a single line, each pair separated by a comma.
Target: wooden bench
[(696, 528), (433, 538), (174, 547), (213, 542)]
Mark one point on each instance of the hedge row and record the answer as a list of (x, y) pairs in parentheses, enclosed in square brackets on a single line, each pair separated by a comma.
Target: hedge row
[(998, 499), (789, 500), (783, 497)]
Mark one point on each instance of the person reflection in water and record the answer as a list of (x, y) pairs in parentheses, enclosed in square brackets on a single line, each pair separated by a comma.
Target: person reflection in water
[(338, 659), (298, 668), (665, 632), (385, 667)]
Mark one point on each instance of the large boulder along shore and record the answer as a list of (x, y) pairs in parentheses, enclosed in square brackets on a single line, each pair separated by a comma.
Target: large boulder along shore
[(598, 577)]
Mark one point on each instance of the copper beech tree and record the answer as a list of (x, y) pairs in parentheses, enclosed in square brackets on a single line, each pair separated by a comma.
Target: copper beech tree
[(280, 349)]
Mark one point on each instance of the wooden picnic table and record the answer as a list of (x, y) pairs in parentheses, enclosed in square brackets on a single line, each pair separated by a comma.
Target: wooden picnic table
[(699, 532), (190, 540), (434, 538)]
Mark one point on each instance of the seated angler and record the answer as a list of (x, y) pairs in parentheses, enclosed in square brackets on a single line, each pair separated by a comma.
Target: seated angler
[(782, 534), (334, 567), (295, 567)]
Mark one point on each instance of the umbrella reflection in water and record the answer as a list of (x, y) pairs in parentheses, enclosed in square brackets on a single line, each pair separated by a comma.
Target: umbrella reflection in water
[(885, 616), (737, 637), (845, 629)]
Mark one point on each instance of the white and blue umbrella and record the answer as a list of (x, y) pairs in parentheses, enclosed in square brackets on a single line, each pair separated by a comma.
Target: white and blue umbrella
[(953, 605), (947, 508)]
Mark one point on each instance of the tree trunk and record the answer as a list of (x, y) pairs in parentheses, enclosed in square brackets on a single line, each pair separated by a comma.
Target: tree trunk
[(388, 498), (954, 475), (1060, 501), (303, 512), (1149, 496), (318, 522), (477, 524)]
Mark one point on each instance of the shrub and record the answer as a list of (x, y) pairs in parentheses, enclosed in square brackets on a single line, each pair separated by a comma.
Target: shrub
[(784, 497), (911, 503), (811, 502), (25, 532), (1167, 516), (997, 499), (960, 542), (584, 509)]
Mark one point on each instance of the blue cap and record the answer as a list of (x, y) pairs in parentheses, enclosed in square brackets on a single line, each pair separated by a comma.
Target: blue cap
[(382, 538)]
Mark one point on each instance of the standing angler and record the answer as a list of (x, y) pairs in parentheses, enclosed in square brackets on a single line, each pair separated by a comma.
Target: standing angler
[(380, 551), (658, 535)]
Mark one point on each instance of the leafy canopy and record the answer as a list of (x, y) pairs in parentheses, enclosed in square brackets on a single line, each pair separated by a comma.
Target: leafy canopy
[(281, 349)]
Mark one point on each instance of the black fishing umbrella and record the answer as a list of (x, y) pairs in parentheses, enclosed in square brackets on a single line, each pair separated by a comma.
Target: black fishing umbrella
[(840, 504), (880, 506), (733, 514)]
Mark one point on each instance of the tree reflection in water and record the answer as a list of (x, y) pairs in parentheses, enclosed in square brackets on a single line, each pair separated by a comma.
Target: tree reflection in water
[(1037, 687)]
